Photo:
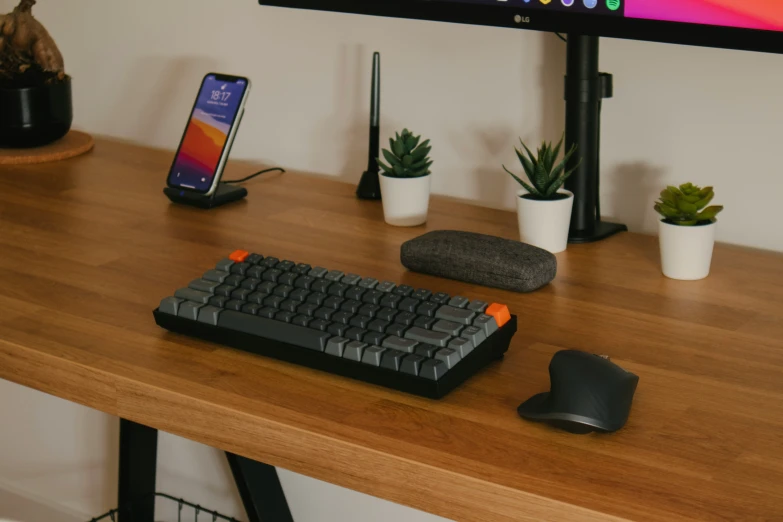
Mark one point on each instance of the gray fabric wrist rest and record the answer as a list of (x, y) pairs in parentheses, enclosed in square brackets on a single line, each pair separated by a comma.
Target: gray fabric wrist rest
[(480, 259)]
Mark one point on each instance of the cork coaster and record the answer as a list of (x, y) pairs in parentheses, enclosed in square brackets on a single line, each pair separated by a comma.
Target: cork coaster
[(72, 144)]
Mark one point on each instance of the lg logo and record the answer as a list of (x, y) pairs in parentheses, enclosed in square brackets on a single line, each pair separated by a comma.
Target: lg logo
[(522, 19)]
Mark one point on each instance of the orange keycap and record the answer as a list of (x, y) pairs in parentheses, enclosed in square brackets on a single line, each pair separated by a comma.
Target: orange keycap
[(499, 312), (239, 255)]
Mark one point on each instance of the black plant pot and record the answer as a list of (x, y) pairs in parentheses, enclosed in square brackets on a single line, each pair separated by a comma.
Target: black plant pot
[(35, 116)]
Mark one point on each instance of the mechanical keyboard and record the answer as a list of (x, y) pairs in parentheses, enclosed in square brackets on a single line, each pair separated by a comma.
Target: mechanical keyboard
[(412, 340)]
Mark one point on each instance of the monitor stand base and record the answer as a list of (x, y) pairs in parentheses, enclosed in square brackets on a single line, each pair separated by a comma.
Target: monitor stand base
[(602, 230)]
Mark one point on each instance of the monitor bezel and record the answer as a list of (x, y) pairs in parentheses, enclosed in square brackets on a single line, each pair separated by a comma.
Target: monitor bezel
[(553, 20)]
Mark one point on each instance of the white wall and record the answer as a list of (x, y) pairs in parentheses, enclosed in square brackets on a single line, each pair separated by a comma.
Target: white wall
[(680, 114)]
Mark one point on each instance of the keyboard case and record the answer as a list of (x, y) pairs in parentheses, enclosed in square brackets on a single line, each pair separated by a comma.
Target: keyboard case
[(491, 349)]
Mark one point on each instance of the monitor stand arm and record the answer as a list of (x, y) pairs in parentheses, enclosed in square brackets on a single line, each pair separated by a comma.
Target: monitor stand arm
[(585, 87)]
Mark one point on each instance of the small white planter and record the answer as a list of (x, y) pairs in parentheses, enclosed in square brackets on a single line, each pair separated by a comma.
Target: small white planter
[(686, 252), (545, 224), (405, 200)]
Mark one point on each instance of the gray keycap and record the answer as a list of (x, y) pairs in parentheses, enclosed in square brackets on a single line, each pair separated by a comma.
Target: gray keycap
[(428, 336), (458, 315), (255, 272), (375, 338), (412, 364), (257, 297), (224, 265), (422, 294), (354, 350), (408, 304), (351, 279), (368, 282), (189, 310), (372, 355), (461, 345), (485, 322), (170, 305), (334, 275), (204, 285), (398, 343), (477, 306), (449, 327), (192, 295), (474, 334), (449, 356), (458, 301), (318, 271), (433, 369), (429, 308), (336, 346), (392, 359), (426, 350), (215, 275), (386, 286), (209, 314)]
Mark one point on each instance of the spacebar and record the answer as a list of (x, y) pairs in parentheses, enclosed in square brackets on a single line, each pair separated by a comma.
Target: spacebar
[(273, 330)]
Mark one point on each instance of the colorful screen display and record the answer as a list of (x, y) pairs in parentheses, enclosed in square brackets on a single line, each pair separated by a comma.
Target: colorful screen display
[(748, 14), (207, 133), (744, 14)]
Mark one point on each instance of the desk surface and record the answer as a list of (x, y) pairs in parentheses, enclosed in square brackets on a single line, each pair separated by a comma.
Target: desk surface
[(90, 245)]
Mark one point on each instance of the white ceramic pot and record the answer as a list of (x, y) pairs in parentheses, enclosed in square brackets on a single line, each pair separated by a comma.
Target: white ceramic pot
[(686, 252), (545, 224), (405, 200)]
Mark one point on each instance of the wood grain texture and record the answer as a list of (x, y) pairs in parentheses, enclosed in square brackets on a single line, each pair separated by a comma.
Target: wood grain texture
[(90, 245), (73, 144)]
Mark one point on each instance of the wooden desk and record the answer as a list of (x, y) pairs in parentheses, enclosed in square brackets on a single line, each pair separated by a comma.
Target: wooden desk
[(90, 245)]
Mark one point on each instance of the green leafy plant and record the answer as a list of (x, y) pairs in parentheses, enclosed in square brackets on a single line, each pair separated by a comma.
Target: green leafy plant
[(407, 157), (545, 175), (685, 205)]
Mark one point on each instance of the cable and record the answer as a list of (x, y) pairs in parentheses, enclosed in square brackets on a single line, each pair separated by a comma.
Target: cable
[(562, 37), (273, 169)]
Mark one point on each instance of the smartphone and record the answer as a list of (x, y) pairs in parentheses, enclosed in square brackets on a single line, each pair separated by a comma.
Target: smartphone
[(206, 143)]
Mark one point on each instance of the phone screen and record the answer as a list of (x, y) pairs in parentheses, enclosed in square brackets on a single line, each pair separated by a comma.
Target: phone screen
[(207, 133)]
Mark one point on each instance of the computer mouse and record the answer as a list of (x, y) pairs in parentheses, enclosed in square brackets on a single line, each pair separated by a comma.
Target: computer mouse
[(588, 393)]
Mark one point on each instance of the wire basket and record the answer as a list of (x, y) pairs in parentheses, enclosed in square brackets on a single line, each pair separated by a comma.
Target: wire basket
[(186, 511)]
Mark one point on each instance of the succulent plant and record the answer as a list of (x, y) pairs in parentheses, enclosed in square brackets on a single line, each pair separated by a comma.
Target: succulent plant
[(545, 176), (407, 157), (685, 205)]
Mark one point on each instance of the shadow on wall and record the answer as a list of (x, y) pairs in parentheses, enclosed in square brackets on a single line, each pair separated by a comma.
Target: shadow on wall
[(489, 148), (552, 74), (352, 105), (157, 97), (635, 187), (486, 149)]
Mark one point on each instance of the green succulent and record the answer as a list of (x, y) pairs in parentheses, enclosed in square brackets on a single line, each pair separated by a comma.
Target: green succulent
[(407, 157), (685, 205), (545, 175)]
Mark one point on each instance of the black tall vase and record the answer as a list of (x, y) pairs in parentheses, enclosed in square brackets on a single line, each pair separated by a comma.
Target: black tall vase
[(35, 116)]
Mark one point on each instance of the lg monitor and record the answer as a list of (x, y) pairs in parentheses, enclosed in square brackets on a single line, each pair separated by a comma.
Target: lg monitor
[(755, 25)]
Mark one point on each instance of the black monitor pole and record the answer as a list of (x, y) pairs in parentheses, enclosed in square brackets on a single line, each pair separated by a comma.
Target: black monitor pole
[(585, 87), (370, 186)]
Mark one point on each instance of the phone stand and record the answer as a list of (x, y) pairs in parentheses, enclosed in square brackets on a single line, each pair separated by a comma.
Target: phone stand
[(225, 193)]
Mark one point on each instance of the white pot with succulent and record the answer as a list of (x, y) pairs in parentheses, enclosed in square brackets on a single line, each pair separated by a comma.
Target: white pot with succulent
[(543, 208), (687, 231), (406, 180)]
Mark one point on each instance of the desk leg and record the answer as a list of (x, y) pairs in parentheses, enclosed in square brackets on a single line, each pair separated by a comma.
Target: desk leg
[(138, 460), (260, 490)]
